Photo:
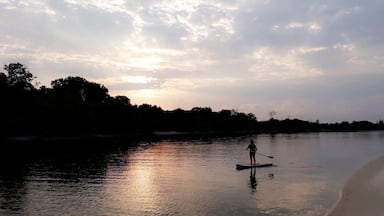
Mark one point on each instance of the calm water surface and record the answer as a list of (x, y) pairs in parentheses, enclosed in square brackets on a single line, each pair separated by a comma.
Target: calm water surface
[(190, 177)]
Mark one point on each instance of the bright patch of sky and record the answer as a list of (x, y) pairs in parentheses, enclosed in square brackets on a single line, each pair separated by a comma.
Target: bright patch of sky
[(302, 59)]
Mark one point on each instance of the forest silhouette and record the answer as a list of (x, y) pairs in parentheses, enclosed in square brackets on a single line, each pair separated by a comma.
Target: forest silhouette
[(74, 106)]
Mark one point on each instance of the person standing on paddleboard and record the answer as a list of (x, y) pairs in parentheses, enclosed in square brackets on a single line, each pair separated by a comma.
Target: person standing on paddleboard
[(252, 151)]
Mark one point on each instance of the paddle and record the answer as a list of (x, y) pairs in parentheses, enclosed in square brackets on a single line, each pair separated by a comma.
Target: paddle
[(264, 155)]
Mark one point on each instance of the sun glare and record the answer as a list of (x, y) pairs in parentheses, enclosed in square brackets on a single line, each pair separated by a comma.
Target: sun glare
[(138, 79), (149, 62), (144, 95)]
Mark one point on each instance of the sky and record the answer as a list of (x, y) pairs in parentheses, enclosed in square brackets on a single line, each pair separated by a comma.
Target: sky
[(312, 60)]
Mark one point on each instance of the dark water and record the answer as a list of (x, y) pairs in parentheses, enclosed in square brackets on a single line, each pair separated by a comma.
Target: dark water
[(188, 177)]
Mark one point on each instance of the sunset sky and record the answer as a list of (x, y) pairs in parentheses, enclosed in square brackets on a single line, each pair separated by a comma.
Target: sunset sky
[(312, 60)]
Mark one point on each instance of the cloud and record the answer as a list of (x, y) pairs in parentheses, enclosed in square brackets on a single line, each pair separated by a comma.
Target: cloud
[(289, 56)]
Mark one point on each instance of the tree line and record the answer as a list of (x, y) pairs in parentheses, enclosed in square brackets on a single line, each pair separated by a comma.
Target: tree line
[(76, 106)]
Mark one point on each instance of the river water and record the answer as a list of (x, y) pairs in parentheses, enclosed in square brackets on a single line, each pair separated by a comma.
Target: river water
[(190, 176)]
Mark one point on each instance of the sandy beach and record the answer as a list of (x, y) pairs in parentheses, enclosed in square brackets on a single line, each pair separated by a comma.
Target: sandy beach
[(363, 193)]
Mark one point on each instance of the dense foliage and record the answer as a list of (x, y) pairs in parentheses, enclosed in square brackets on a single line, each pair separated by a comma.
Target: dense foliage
[(75, 106)]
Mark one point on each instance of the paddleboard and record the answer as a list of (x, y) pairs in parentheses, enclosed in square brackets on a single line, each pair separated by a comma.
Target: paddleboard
[(247, 166)]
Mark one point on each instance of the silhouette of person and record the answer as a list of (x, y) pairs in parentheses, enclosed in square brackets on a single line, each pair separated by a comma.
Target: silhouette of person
[(252, 151)]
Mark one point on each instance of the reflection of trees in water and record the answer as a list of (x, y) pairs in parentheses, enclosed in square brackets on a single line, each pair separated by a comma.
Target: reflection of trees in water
[(25, 171), (12, 187)]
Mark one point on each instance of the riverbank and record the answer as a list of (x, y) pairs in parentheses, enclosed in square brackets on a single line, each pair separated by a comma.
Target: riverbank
[(363, 194)]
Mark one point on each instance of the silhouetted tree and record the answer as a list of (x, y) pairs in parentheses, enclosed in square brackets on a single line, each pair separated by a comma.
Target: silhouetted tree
[(74, 105), (251, 116), (272, 114), (17, 97), (19, 76), (79, 89), (79, 103), (3, 80), (122, 101), (206, 110)]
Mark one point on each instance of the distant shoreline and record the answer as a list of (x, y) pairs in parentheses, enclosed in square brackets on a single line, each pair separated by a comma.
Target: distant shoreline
[(74, 106), (149, 135)]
